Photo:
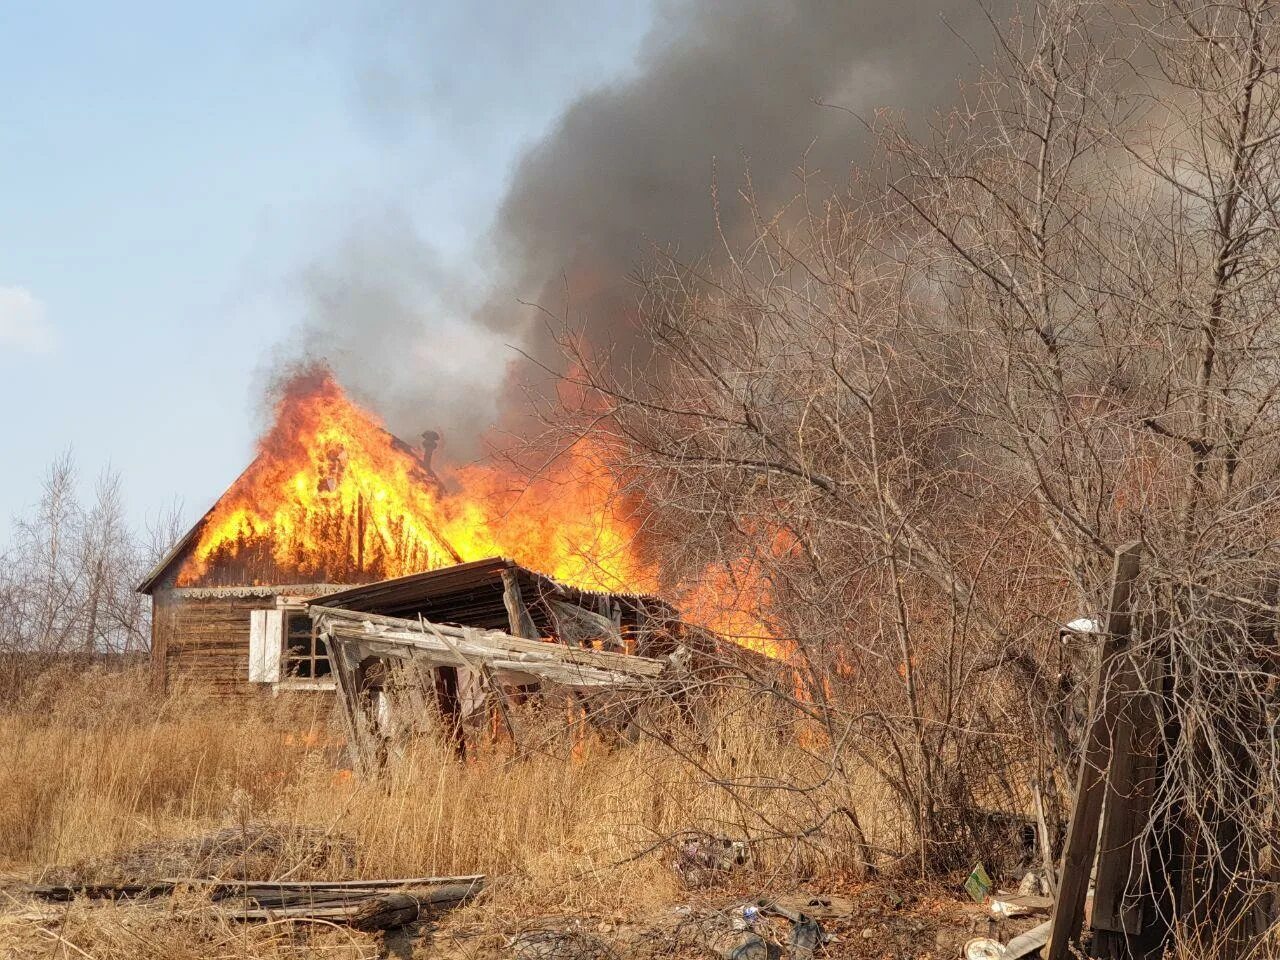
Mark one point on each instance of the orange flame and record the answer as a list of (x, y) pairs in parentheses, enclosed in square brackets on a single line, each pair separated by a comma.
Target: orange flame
[(333, 497)]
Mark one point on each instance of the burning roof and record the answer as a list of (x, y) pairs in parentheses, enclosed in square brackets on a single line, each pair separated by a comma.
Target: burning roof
[(333, 498)]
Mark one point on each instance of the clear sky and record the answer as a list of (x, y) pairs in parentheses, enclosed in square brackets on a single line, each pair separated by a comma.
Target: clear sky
[(169, 172)]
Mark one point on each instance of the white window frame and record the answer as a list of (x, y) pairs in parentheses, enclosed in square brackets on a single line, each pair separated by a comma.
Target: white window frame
[(287, 606), (267, 639)]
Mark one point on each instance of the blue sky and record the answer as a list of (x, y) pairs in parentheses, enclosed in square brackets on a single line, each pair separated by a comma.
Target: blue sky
[(169, 172)]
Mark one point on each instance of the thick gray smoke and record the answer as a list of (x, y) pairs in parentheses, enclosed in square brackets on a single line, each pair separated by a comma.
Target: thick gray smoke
[(723, 85)]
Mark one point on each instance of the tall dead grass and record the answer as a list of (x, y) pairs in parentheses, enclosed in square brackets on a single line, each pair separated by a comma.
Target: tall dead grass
[(96, 764)]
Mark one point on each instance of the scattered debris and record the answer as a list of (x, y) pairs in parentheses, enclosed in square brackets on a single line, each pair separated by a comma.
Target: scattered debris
[(1032, 883), (1020, 906), (806, 937), (983, 948), (978, 884), (559, 945), (698, 861), (745, 946), (827, 906)]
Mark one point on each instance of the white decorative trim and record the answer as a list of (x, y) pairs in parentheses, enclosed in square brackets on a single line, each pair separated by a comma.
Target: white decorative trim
[(301, 590)]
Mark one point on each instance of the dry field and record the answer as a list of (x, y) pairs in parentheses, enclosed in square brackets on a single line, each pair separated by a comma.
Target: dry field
[(95, 767)]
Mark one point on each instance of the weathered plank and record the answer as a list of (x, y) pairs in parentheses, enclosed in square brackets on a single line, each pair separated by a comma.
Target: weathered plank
[(1082, 836), (378, 904), (1130, 786)]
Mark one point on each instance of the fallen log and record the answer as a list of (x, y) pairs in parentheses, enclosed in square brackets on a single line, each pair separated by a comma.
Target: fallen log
[(277, 895), (367, 904), (383, 911), (219, 889), (61, 893)]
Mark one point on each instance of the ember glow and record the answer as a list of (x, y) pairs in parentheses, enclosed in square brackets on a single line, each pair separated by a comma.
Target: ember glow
[(332, 497)]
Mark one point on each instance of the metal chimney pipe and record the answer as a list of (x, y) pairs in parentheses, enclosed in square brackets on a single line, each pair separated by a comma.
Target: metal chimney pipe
[(430, 440)]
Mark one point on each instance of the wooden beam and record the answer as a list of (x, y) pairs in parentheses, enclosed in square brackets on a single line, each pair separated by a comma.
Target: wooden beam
[(518, 616), (1119, 904), (346, 676), (443, 645), (1082, 836)]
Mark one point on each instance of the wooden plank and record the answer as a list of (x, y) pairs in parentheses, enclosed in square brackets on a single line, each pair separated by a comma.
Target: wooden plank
[(245, 888), (1130, 788), (484, 642), (1082, 836), (345, 675), (518, 615), (273, 647), (526, 669), (257, 646)]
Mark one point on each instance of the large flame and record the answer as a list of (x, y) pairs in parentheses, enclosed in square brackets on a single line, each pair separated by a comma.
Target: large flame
[(333, 497)]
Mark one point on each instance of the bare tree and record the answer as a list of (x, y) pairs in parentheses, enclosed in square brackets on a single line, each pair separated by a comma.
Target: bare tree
[(67, 584), (929, 410)]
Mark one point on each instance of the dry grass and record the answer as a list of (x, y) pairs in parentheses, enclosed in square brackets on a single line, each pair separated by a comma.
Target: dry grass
[(102, 779), (98, 765)]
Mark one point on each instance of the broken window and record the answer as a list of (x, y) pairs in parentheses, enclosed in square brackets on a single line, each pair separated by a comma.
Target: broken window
[(281, 647), (305, 655)]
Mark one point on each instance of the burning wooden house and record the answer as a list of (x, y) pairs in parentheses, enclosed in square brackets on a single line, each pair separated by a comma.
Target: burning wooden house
[(337, 511)]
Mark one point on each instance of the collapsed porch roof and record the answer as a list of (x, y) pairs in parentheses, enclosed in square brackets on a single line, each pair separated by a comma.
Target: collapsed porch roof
[(475, 593), (357, 635)]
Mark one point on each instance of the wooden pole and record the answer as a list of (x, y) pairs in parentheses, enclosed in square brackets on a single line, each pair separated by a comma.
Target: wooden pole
[(1082, 836), (518, 616), (346, 675), (1122, 912)]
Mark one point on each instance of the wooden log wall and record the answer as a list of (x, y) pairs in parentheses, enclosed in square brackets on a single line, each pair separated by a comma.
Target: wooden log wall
[(205, 640)]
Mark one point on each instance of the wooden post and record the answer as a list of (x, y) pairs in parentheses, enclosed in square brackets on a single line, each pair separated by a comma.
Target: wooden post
[(1121, 917), (1082, 836), (1046, 841), (518, 616), (346, 675)]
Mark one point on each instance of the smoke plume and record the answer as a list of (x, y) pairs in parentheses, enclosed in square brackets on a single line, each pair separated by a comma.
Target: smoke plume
[(720, 86)]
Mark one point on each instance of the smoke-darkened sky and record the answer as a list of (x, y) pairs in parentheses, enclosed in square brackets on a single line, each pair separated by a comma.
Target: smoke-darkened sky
[(716, 86)]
